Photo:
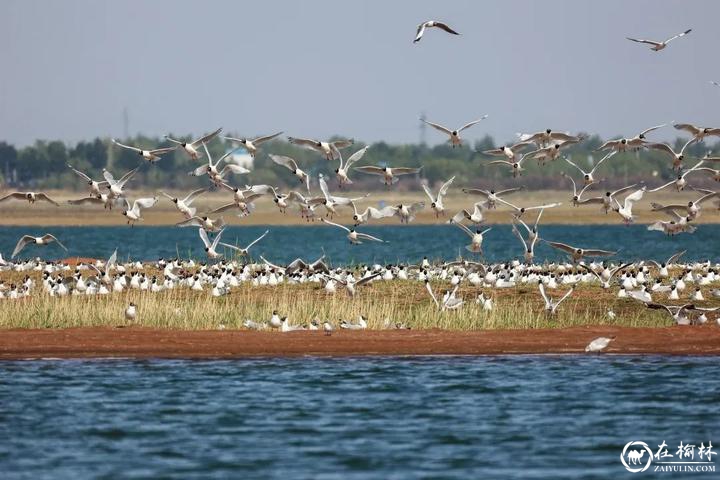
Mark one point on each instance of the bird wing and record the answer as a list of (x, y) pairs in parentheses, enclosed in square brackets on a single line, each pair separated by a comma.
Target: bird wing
[(542, 207), (609, 155), (134, 149), (468, 125), (428, 192), (438, 127), (705, 197), (639, 40), (80, 174), (124, 179), (445, 187), (623, 190), (371, 169), (494, 151), (673, 259), (224, 208), (355, 157), (200, 171), (284, 161), (365, 236), (646, 131), (520, 237), (476, 191), (420, 32), (236, 169), (432, 295), (445, 27), (206, 138), (561, 246), (335, 224), (634, 197), (48, 237), (598, 253), (416, 207), (464, 229), (304, 142), (259, 140), (216, 240), (193, 195), (663, 147), (190, 222), (324, 188), (144, 203), (257, 239), (161, 151), (508, 191), (678, 36), (42, 196), (691, 129), (571, 163), (661, 187), (557, 304), (108, 177), (82, 201), (541, 287), (24, 240), (405, 170), (337, 144)]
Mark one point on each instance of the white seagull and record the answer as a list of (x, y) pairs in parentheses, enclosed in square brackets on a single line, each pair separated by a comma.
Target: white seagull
[(432, 24), (211, 248), (252, 145), (454, 135), (389, 175), (134, 214), (436, 202), (184, 205), (244, 251), (343, 170), (331, 150), (550, 306), (599, 344), (657, 46), (151, 156), (30, 240), (292, 165), (353, 236), (191, 148), (31, 197), (94, 186)]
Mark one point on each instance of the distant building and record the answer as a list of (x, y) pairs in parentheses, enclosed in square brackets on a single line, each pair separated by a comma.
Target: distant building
[(241, 157)]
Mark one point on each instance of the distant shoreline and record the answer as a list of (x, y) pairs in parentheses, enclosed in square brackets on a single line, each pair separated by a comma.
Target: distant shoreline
[(143, 343)]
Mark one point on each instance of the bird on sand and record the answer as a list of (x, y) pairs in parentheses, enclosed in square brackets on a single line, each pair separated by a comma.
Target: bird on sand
[(599, 344)]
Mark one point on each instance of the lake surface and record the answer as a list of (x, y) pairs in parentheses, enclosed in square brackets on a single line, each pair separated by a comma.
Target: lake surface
[(434, 417), (406, 243)]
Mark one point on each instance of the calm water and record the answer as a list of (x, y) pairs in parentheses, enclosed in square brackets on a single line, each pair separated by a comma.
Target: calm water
[(407, 243), (441, 417)]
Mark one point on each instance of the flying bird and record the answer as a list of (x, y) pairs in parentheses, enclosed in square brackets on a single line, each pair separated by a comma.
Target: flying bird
[(252, 145), (454, 135), (353, 236), (40, 241), (191, 148), (151, 156), (657, 46), (331, 150), (432, 24), (31, 197), (389, 175)]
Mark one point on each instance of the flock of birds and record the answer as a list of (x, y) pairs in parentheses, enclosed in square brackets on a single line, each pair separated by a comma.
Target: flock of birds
[(640, 281)]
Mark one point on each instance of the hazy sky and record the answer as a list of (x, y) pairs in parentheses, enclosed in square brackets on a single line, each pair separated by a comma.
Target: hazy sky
[(317, 68)]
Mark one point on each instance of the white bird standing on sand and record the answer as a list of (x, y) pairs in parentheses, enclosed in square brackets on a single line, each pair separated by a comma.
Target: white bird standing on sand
[(343, 170), (454, 135), (476, 238), (94, 186), (40, 241), (244, 251), (184, 205), (327, 328), (331, 150), (353, 236), (131, 312), (292, 165), (599, 344), (211, 248), (252, 145), (191, 148), (432, 24), (31, 197), (436, 203), (275, 320), (151, 156), (550, 306), (389, 175), (657, 46), (134, 214)]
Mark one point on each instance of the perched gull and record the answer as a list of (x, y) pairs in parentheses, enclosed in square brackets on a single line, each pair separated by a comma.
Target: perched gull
[(30, 240), (600, 343), (657, 46), (432, 24), (454, 135)]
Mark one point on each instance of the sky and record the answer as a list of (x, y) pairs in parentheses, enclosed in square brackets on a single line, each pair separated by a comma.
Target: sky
[(322, 68)]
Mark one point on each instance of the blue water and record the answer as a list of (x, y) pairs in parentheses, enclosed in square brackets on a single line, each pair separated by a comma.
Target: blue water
[(435, 417), (407, 243)]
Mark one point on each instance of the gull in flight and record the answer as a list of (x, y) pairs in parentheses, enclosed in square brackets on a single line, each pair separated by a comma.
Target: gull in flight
[(30, 240), (636, 142), (692, 208), (491, 196), (330, 202), (546, 137), (519, 211), (210, 248), (625, 210), (509, 152), (576, 198), (389, 175), (343, 170), (252, 145), (292, 165), (476, 216), (678, 313), (350, 283), (515, 165), (184, 205), (607, 199), (242, 199), (680, 181), (217, 176), (406, 213), (454, 135), (31, 197), (134, 214), (551, 152), (528, 250), (206, 223), (588, 176), (606, 278), (115, 187), (371, 212), (432, 24), (577, 253), (191, 148), (101, 199), (476, 238), (677, 158), (599, 344), (678, 224), (353, 236), (550, 306), (698, 133), (94, 186), (449, 301), (657, 46), (436, 203), (244, 251), (331, 150), (151, 156)]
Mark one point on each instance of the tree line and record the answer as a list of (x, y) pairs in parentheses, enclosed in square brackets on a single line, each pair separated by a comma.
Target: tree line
[(44, 164)]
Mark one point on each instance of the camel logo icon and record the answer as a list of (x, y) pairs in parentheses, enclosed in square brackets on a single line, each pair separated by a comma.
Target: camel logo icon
[(633, 456)]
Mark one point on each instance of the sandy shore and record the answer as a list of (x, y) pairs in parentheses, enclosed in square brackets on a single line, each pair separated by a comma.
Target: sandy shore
[(150, 343), (266, 213)]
